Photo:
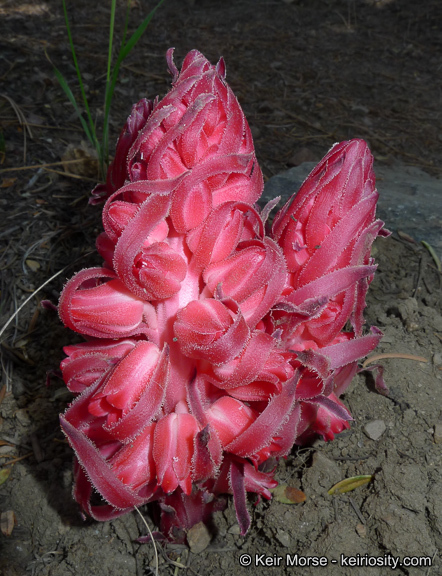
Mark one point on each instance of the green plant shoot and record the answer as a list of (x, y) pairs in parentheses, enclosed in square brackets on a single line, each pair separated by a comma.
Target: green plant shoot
[(101, 146)]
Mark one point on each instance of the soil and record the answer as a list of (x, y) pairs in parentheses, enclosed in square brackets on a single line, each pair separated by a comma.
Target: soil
[(307, 75)]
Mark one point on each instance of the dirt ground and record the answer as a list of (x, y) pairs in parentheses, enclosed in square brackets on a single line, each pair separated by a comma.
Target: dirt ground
[(307, 74)]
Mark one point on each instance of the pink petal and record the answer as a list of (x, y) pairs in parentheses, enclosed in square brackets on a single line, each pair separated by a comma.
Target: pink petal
[(260, 433), (100, 310), (173, 451), (207, 330), (98, 470)]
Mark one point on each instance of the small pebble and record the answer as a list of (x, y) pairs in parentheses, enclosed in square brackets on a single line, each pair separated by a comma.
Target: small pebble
[(234, 529), (23, 417), (198, 538), (375, 429), (361, 530), (283, 537)]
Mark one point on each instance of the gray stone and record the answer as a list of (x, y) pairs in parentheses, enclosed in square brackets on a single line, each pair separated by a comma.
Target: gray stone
[(375, 429), (198, 538), (283, 537)]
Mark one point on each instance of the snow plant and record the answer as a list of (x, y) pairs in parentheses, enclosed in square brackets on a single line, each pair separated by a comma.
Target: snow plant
[(212, 345)]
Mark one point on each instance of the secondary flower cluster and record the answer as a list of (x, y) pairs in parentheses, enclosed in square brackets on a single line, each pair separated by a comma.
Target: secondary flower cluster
[(212, 346)]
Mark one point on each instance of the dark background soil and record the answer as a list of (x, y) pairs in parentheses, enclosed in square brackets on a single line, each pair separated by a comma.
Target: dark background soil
[(307, 74)]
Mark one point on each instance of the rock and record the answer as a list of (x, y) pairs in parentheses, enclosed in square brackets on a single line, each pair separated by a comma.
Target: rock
[(198, 538), (375, 429), (436, 321), (408, 311), (283, 537), (234, 529), (23, 417)]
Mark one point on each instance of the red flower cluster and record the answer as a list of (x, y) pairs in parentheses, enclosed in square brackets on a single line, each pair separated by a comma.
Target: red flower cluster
[(212, 347)]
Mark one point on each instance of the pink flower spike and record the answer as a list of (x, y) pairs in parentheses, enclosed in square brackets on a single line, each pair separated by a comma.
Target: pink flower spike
[(327, 215), (219, 235), (156, 271), (259, 434), (237, 482), (247, 367), (207, 456), (213, 346)]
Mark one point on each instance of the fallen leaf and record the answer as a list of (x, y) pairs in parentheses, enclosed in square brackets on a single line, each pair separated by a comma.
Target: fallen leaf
[(350, 484), (33, 265), (405, 236), (4, 475), (7, 182), (7, 522), (288, 494), (2, 393), (81, 161)]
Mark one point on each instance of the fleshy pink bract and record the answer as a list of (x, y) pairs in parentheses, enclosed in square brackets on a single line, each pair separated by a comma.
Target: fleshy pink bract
[(213, 346)]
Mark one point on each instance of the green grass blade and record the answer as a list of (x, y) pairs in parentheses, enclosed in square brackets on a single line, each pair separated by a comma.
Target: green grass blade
[(126, 22), (104, 149), (125, 51), (127, 48), (104, 161), (80, 79), (111, 38), (435, 257), (72, 100)]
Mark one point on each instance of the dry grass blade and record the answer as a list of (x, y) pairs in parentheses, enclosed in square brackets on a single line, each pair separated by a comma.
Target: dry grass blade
[(151, 537), (21, 118), (376, 357), (38, 290), (30, 298), (35, 166), (71, 175), (18, 459)]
